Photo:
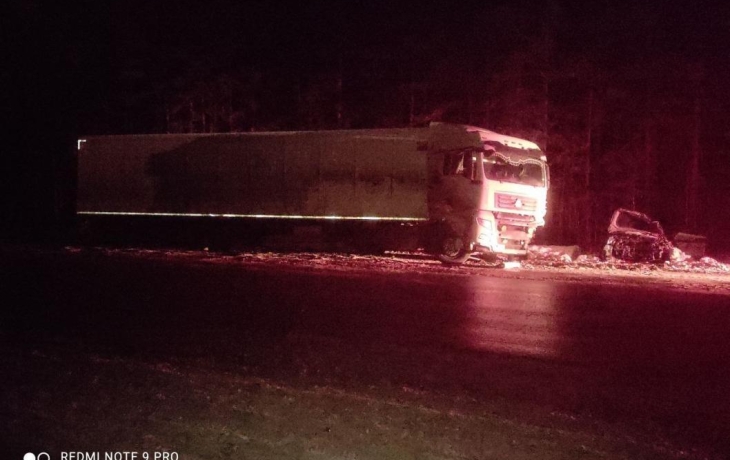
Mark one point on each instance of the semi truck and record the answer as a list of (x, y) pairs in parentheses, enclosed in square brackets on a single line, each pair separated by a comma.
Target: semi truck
[(456, 190)]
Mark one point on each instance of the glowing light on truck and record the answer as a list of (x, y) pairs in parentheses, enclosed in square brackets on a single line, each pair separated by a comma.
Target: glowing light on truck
[(252, 216)]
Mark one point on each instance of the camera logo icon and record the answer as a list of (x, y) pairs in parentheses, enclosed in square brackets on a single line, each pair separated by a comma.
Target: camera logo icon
[(32, 456)]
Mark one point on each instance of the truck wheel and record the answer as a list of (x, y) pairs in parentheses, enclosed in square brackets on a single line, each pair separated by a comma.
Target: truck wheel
[(453, 250)]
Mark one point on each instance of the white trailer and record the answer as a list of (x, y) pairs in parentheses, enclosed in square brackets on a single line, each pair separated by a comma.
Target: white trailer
[(465, 189)]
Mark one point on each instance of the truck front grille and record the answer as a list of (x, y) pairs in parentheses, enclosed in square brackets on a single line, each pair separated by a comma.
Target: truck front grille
[(515, 202), (507, 218)]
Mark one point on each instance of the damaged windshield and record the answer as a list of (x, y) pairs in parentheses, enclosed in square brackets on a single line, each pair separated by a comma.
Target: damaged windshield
[(624, 220), (498, 167)]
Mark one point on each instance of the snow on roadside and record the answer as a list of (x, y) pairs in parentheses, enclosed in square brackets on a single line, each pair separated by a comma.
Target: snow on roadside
[(539, 257), (704, 275), (558, 256)]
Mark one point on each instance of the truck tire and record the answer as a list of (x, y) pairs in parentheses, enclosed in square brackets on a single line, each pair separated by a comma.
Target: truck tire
[(453, 250)]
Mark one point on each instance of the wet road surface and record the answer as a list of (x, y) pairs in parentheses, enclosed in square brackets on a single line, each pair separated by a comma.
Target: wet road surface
[(639, 358)]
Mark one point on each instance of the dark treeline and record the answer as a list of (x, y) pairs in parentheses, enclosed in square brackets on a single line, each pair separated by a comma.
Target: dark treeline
[(629, 102)]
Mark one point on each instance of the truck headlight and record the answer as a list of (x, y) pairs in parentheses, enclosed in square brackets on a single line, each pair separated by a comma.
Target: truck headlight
[(486, 232), (485, 224)]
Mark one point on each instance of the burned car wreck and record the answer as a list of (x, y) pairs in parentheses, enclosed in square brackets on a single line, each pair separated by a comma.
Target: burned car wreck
[(635, 237)]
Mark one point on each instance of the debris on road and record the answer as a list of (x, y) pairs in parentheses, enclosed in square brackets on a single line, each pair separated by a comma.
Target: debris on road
[(679, 261), (511, 265), (552, 254)]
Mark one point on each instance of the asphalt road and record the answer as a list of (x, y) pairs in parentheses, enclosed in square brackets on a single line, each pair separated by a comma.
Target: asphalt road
[(637, 358)]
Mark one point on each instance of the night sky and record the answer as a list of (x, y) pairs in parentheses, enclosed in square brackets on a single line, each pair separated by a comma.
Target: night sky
[(617, 95)]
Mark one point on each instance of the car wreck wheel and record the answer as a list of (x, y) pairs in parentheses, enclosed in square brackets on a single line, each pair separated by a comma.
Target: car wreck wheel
[(453, 250), (624, 251)]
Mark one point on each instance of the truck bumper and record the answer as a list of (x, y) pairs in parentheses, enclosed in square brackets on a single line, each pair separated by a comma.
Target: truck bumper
[(499, 235), (500, 250)]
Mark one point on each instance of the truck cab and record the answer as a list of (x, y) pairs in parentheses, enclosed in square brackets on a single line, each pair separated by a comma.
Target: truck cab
[(495, 197)]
